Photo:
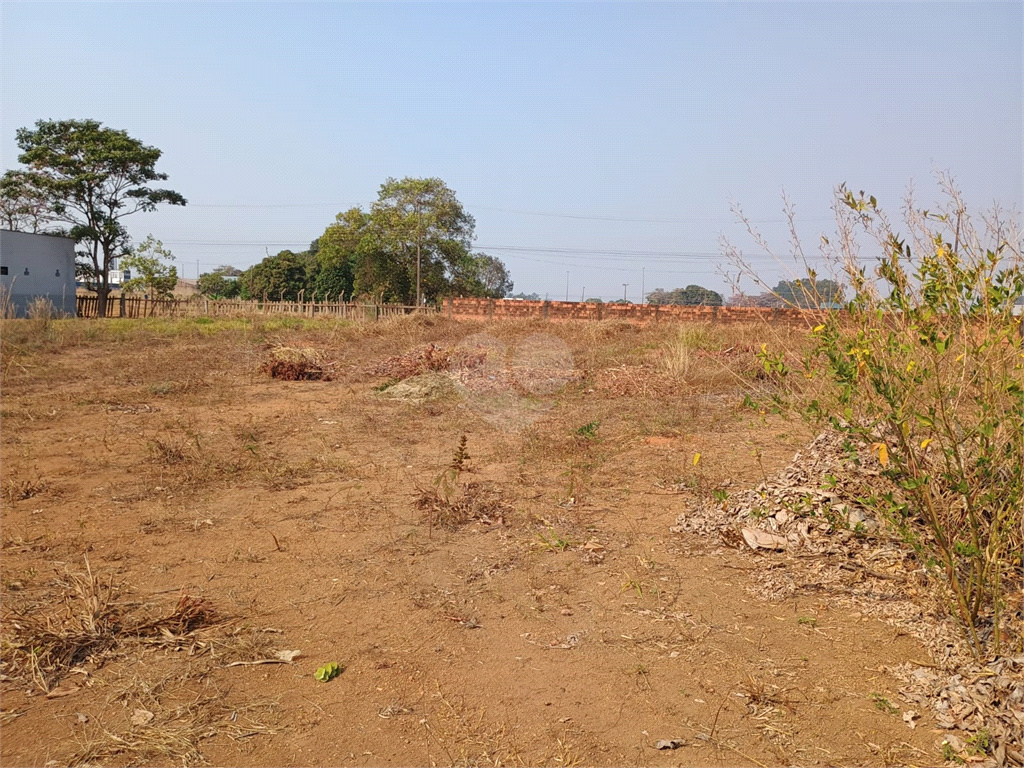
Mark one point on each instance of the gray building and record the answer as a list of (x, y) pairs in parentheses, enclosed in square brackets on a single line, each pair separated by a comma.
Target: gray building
[(37, 266)]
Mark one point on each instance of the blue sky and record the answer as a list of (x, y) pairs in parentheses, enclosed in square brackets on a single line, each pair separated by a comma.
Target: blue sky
[(600, 139)]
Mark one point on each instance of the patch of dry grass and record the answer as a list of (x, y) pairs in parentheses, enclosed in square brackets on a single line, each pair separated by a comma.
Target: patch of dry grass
[(89, 619)]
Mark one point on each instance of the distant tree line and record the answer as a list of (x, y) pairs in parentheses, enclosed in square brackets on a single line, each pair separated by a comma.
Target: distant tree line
[(414, 245), (808, 293), (81, 179), (690, 296)]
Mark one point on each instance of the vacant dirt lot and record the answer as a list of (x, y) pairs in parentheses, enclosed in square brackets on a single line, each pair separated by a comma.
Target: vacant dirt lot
[(170, 509)]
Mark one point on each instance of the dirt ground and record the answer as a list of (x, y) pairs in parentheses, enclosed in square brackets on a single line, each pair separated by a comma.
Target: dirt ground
[(519, 600)]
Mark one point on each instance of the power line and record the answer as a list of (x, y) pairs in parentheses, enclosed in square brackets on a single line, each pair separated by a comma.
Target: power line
[(544, 214)]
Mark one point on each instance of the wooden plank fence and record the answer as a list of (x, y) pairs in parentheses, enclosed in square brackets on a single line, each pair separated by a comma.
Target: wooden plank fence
[(138, 306)]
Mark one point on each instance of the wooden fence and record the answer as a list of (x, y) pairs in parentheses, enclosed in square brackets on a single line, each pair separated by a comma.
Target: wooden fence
[(137, 306)]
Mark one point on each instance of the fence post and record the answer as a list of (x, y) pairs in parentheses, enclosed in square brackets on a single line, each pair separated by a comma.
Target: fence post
[(121, 306), (490, 309), (600, 309)]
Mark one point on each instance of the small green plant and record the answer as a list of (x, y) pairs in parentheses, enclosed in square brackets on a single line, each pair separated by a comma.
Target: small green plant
[(950, 755), (883, 705), (553, 542), (328, 672), (589, 431), (807, 621), (980, 743), (632, 584), (721, 496)]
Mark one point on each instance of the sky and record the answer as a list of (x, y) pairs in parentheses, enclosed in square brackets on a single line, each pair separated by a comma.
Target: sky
[(599, 146)]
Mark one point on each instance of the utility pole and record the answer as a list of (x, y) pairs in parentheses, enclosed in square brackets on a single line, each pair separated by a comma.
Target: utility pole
[(624, 287), (583, 294), (567, 285), (643, 285), (419, 237)]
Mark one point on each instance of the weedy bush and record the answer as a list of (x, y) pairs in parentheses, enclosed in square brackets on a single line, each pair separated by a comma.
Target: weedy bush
[(924, 365)]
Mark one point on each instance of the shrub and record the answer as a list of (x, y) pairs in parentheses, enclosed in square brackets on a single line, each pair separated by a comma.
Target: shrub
[(925, 367)]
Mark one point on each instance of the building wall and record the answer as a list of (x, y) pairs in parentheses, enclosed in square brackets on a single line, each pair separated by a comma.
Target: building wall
[(38, 265)]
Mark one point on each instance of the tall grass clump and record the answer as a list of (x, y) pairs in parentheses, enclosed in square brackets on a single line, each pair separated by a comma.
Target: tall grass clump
[(924, 366)]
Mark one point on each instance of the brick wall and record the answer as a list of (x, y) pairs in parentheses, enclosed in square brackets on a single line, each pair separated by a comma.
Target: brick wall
[(501, 309)]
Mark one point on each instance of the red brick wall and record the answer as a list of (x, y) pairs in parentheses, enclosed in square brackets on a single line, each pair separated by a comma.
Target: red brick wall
[(501, 309)]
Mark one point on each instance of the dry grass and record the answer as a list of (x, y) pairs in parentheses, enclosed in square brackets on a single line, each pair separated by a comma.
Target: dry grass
[(452, 508), (213, 452), (166, 721), (90, 619)]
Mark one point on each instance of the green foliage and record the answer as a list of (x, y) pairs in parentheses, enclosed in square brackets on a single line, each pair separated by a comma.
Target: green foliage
[(418, 229), (809, 293), (690, 296), (589, 431), (417, 246), (156, 279), (22, 208), (883, 704), (482, 276), (222, 283), (329, 671), (337, 253), (925, 367), (88, 178), (280, 277)]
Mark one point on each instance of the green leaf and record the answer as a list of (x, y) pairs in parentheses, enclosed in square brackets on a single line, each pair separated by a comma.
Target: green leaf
[(329, 671)]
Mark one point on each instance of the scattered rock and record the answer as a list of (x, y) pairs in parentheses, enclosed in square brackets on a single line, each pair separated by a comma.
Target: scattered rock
[(669, 743)]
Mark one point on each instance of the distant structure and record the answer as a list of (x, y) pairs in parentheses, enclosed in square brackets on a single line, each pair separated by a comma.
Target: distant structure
[(37, 266)]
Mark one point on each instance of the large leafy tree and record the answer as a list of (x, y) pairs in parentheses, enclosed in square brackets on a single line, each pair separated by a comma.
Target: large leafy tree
[(418, 233), (89, 179), (337, 252), (280, 277)]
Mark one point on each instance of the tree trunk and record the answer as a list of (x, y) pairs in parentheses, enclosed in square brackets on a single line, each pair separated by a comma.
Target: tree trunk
[(102, 290)]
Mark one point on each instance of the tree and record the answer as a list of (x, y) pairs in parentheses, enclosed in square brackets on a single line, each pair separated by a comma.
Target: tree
[(222, 283), (493, 275), (809, 292), (23, 209), (337, 251), (482, 276), (526, 296), (418, 232), (690, 296), (280, 277), (155, 278), (90, 178)]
